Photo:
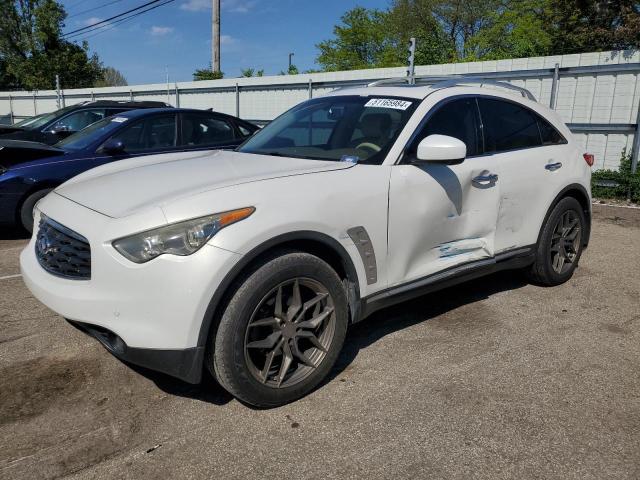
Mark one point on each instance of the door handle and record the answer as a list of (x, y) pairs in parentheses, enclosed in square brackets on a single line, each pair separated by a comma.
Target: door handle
[(553, 166), (485, 179)]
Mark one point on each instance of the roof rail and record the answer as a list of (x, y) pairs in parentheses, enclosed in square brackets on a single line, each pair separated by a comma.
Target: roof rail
[(439, 82)]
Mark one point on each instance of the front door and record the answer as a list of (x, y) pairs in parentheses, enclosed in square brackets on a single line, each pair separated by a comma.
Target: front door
[(441, 216)]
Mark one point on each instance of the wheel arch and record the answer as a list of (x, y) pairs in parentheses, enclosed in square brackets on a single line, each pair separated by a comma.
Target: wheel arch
[(36, 187), (579, 192), (322, 245)]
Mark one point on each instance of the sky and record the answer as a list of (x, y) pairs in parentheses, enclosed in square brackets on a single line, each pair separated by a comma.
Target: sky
[(177, 37)]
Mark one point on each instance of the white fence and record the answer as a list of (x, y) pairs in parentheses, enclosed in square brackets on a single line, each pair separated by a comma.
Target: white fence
[(597, 94)]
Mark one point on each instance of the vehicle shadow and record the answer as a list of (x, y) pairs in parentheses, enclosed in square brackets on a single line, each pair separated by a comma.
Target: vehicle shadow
[(208, 390), (419, 310), (361, 335)]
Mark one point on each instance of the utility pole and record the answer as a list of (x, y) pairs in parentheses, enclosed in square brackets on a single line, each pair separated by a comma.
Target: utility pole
[(290, 56), (215, 35)]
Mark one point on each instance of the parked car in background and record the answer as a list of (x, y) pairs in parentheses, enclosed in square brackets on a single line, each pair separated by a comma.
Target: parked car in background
[(348, 203), (30, 170), (52, 127)]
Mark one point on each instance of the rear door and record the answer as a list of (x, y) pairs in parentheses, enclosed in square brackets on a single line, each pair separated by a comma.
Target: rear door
[(530, 154), (441, 216)]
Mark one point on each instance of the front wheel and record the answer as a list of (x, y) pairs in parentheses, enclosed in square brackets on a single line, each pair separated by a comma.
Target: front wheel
[(281, 332), (26, 211), (560, 245)]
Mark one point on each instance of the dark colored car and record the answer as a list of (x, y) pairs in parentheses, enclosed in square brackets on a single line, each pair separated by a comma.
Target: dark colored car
[(30, 170), (52, 127)]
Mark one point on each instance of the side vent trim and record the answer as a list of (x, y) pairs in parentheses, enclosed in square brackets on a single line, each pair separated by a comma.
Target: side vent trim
[(360, 237)]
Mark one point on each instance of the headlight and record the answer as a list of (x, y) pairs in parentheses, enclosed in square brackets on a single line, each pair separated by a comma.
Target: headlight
[(182, 238)]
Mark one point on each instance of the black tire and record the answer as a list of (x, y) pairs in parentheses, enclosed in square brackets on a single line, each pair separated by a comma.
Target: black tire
[(230, 358), (552, 245), (26, 210)]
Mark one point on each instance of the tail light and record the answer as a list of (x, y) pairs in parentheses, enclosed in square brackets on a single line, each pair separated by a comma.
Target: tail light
[(589, 158)]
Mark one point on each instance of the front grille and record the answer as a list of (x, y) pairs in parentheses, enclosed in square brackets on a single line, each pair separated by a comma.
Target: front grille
[(61, 251)]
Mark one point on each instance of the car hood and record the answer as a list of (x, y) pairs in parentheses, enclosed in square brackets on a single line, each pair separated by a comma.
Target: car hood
[(128, 186), (16, 152)]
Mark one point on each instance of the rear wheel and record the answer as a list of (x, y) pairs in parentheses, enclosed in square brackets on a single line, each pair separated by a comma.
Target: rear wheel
[(26, 211), (281, 332), (560, 245)]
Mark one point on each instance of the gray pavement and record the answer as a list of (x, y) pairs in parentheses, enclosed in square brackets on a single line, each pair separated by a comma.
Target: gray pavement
[(492, 379)]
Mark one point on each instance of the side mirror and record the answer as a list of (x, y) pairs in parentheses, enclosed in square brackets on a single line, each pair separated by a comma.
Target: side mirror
[(59, 128), (113, 146), (441, 149)]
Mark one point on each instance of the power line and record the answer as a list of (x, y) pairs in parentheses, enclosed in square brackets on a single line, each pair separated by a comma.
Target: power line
[(104, 28), (94, 9), (111, 18)]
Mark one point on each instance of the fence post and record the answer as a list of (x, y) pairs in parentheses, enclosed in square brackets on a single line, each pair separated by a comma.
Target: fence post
[(35, 104), (636, 144), (131, 95), (58, 101), (554, 86), (177, 96), (310, 89), (11, 109), (93, 97), (237, 100)]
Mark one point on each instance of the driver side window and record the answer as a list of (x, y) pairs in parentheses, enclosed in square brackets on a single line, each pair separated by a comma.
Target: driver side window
[(78, 120), (458, 119)]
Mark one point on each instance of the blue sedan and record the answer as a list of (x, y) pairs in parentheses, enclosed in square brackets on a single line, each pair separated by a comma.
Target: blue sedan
[(30, 170)]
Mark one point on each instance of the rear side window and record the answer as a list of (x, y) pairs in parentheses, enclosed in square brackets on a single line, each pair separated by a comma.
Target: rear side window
[(200, 129), (550, 136), (458, 119), (508, 126)]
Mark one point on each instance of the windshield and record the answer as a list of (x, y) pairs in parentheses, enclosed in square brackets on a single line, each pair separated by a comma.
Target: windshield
[(26, 122), (93, 133), (342, 128), (39, 121)]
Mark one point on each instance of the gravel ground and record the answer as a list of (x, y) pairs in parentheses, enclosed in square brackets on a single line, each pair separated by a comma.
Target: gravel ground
[(492, 379)]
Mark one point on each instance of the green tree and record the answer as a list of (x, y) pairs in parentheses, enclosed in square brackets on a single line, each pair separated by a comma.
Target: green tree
[(360, 41), (33, 51), (516, 29), (252, 72), (416, 18), (578, 26), (461, 20), (207, 74), (111, 78), (293, 70)]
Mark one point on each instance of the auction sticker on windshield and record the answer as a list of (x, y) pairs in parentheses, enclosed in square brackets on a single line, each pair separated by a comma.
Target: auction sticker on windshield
[(388, 103), (119, 119)]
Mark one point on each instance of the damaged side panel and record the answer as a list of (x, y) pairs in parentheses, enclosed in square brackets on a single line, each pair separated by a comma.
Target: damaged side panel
[(438, 218)]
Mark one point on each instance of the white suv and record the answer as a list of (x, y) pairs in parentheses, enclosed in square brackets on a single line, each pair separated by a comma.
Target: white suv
[(254, 262)]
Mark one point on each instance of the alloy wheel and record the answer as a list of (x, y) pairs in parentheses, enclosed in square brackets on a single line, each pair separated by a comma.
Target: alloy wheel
[(290, 332), (565, 241)]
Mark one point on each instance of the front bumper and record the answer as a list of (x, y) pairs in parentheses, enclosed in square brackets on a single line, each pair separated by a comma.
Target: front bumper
[(155, 309), (183, 364)]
